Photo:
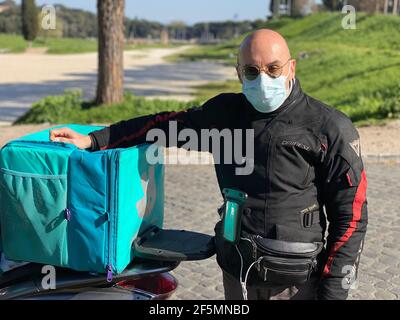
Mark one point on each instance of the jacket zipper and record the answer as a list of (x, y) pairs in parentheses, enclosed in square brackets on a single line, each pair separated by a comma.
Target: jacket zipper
[(268, 162)]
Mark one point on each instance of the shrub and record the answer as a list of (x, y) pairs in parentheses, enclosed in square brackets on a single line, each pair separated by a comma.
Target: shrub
[(71, 108), (390, 108)]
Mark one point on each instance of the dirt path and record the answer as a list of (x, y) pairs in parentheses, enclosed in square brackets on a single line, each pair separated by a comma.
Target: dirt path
[(26, 78), (40, 67), (381, 140)]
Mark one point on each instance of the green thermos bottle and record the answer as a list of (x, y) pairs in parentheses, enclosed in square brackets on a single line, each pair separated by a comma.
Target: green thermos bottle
[(234, 200)]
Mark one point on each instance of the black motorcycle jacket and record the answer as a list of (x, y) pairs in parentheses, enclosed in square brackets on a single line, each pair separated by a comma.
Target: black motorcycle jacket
[(307, 171)]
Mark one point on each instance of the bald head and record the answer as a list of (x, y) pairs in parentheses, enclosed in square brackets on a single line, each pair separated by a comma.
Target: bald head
[(266, 47), (263, 46)]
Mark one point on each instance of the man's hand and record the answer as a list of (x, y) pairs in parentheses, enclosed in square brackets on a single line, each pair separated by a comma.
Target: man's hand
[(69, 136)]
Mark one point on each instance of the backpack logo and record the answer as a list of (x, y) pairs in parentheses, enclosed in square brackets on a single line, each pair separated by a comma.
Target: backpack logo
[(355, 145)]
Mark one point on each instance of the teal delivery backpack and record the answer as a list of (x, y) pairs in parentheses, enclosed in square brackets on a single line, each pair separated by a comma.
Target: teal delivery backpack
[(67, 207)]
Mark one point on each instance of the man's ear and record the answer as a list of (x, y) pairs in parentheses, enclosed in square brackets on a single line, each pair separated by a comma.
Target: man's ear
[(293, 68), (238, 74)]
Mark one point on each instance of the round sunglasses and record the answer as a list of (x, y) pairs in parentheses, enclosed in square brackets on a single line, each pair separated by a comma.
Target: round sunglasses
[(251, 72)]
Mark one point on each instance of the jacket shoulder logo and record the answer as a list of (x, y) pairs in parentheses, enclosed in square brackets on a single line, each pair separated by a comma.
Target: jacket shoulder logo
[(355, 145)]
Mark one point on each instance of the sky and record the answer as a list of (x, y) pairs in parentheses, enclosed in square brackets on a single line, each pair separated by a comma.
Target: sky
[(189, 11)]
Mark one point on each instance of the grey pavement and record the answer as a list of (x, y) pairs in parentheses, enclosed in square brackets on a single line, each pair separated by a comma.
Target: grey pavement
[(192, 196)]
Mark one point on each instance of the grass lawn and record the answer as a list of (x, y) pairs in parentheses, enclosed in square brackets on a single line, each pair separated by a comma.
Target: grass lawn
[(12, 43), (356, 71), (67, 45)]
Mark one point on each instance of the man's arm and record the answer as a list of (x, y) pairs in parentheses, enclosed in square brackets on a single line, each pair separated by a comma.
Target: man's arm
[(133, 132), (215, 113), (344, 187)]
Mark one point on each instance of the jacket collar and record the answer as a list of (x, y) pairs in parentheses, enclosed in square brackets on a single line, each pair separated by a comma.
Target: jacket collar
[(295, 94)]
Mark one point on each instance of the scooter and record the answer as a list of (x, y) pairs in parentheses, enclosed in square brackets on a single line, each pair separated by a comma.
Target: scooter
[(157, 252)]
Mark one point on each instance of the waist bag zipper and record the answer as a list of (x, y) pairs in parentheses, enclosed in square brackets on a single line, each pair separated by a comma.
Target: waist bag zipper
[(265, 273), (254, 245)]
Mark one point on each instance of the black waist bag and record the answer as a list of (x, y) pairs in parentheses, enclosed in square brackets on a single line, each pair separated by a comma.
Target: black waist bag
[(285, 262)]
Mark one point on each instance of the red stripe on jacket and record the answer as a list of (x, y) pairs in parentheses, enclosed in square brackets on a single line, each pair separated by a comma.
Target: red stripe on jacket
[(144, 130), (358, 202)]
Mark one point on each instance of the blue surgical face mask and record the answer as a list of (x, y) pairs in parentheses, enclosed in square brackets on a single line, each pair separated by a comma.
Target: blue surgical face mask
[(265, 93)]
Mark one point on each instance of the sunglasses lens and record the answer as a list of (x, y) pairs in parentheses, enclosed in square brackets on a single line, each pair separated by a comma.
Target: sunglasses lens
[(274, 72), (251, 73)]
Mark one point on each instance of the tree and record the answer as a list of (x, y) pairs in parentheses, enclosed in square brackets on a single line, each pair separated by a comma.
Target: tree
[(177, 30), (301, 8), (110, 83), (10, 21), (275, 8), (30, 23), (333, 5)]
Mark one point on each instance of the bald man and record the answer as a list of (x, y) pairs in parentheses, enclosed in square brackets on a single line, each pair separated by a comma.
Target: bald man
[(306, 159)]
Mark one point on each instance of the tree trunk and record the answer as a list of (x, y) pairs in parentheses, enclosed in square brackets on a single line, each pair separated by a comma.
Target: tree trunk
[(395, 6), (110, 83), (276, 9), (377, 7)]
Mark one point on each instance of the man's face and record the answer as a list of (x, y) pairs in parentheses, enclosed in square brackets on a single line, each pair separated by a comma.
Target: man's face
[(267, 55)]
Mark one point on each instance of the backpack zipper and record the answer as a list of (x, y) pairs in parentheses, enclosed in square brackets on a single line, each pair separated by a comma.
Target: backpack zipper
[(111, 194), (44, 144)]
